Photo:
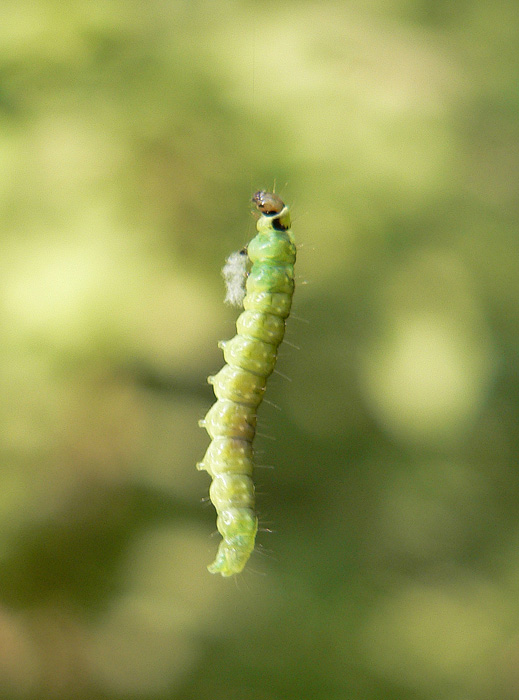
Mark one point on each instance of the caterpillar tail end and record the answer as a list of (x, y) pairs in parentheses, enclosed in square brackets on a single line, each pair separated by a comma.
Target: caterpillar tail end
[(234, 552), (230, 560)]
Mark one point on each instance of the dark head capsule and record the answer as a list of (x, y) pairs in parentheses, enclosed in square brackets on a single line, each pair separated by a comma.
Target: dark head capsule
[(268, 203)]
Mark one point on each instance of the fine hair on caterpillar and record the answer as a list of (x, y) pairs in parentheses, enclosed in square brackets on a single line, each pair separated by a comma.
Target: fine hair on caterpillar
[(259, 278)]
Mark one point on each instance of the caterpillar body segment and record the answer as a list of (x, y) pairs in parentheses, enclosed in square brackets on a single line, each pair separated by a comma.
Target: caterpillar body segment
[(239, 386)]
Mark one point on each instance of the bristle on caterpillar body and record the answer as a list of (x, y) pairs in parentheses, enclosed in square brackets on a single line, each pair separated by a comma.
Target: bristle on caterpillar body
[(240, 385)]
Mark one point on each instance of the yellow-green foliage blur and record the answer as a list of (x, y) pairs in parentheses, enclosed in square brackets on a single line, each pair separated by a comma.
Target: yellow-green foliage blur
[(132, 135)]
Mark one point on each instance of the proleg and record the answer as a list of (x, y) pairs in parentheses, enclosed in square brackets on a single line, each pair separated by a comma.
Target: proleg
[(239, 386)]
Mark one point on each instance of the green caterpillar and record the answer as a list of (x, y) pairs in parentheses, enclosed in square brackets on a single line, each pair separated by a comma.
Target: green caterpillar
[(239, 387)]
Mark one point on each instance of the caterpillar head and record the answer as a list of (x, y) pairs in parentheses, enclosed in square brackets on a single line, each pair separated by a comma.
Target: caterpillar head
[(268, 203), (273, 208)]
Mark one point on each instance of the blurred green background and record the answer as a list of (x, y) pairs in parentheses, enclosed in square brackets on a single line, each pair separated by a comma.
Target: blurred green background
[(132, 137)]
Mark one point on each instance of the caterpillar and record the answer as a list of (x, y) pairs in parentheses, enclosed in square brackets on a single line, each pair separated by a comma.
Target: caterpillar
[(239, 387)]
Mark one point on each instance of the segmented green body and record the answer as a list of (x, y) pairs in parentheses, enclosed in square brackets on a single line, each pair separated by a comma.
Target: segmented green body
[(239, 387)]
